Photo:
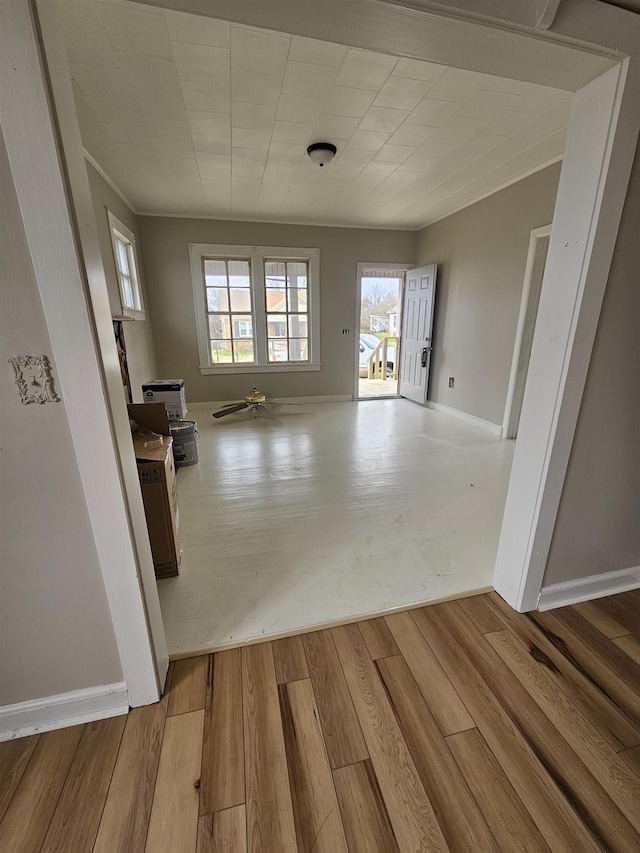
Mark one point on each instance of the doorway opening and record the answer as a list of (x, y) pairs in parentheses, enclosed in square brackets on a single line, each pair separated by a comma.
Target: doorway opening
[(542, 433), (379, 330)]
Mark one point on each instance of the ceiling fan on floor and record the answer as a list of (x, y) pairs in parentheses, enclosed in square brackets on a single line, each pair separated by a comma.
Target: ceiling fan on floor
[(254, 401)]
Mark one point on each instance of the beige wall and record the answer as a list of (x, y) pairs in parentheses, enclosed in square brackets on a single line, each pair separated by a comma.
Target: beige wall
[(598, 524), (141, 356), (481, 254), (165, 250), (55, 629)]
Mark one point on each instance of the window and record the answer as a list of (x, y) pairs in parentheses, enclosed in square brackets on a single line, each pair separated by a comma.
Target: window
[(124, 254), (287, 310), (256, 308), (244, 329), (229, 311)]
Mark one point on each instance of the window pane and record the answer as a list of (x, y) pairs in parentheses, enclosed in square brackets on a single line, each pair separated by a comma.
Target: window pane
[(135, 293), (275, 273), (221, 352), (219, 326), (297, 299), (123, 260), (277, 350), (127, 291), (239, 274), (298, 327), (215, 280), (276, 300), (215, 273), (213, 266), (240, 299), (243, 351), (276, 326), (299, 349), (242, 326), (217, 299), (297, 274)]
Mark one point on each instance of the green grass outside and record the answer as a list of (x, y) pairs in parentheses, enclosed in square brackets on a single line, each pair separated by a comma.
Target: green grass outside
[(225, 357)]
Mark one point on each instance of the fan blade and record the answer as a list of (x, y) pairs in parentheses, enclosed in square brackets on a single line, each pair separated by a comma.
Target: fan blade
[(230, 410), (264, 412)]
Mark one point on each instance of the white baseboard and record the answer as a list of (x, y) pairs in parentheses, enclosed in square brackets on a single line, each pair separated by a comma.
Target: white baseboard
[(585, 589), (65, 709), (496, 429), (329, 398)]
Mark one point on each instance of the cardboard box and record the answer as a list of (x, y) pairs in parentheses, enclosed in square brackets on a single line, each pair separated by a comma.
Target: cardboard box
[(151, 416), (156, 470), (167, 391)]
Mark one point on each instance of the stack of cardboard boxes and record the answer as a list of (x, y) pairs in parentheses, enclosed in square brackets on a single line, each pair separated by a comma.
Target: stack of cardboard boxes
[(158, 483)]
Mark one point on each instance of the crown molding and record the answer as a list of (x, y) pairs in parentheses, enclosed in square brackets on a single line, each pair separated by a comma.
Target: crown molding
[(106, 178)]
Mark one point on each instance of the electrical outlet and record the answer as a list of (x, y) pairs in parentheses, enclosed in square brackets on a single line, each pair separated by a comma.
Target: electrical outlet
[(452, 382), (346, 331)]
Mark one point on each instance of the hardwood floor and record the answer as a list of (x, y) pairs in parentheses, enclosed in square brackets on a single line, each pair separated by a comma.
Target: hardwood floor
[(462, 726)]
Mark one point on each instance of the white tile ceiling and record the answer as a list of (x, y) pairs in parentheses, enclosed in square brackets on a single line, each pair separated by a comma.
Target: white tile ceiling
[(195, 116)]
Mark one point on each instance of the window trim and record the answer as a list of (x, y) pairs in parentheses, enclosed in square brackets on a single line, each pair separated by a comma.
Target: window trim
[(119, 231), (256, 255)]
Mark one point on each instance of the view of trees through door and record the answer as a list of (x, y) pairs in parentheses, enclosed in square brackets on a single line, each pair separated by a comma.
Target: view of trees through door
[(379, 328)]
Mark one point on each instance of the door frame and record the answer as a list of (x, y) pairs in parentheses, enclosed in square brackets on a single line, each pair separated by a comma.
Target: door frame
[(603, 133), (599, 152), (361, 266), (42, 136), (515, 394)]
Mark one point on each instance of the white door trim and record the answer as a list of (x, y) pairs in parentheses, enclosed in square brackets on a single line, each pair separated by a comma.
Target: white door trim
[(508, 429), (361, 266), (593, 183), (81, 203), (49, 220)]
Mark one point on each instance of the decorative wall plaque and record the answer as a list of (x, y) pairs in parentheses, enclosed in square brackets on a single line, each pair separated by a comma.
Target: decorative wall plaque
[(33, 378)]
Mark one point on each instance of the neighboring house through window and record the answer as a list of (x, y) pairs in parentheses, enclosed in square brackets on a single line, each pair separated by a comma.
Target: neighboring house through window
[(256, 308), (124, 253), (243, 329)]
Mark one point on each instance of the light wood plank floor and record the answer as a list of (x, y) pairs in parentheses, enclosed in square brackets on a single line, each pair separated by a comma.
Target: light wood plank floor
[(461, 726)]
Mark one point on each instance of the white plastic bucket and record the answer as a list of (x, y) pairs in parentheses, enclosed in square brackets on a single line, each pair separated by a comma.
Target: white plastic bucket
[(185, 443)]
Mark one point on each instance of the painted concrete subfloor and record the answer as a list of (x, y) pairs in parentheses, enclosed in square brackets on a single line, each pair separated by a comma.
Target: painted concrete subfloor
[(328, 512)]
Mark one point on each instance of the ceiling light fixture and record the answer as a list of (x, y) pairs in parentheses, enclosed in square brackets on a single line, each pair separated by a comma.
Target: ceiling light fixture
[(321, 153)]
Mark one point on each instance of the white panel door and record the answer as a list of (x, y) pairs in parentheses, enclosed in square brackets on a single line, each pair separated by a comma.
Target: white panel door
[(417, 324)]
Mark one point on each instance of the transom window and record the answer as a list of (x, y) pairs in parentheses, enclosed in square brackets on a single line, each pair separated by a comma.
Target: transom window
[(256, 307)]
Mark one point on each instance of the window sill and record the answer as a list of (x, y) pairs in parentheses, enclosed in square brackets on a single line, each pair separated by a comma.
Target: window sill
[(132, 314), (262, 368)]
